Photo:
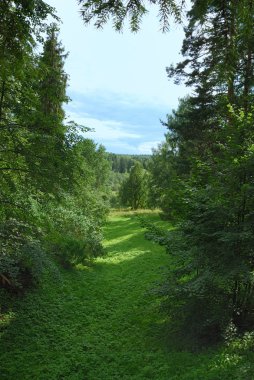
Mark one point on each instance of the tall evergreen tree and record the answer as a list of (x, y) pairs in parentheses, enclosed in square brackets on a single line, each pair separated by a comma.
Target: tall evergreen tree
[(46, 157), (214, 138), (52, 83)]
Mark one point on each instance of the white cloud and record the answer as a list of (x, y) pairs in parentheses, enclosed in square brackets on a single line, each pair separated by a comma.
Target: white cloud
[(118, 81), (104, 130), (146, 147)]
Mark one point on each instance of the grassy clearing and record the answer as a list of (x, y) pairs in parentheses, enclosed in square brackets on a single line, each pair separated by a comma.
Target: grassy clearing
[(102, 322)]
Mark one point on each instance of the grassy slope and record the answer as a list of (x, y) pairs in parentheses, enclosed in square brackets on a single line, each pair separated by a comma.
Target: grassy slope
[(102, 323)]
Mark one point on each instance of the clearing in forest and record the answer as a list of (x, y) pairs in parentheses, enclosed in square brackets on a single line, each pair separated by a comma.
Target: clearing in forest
[(102, 322)]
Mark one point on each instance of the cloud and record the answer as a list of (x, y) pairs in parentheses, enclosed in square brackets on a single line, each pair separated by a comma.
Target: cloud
[(118, 81), (147, 147), (130, 63), (120, 124), (104, 130)]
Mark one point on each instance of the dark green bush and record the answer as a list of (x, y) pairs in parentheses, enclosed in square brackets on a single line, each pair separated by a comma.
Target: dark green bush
[(20, 255), (210, 285), (69, 250), (24, 267)]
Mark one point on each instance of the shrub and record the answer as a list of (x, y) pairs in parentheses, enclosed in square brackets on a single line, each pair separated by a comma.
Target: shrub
[(72, 233)]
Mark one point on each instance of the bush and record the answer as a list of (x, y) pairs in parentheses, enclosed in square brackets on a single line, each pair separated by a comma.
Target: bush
[(20, 255), (71, 233), (24, 267), (69, 250)]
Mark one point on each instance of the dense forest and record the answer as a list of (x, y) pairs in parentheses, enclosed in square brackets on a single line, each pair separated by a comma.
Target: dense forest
[(122, 163), (58, 187)]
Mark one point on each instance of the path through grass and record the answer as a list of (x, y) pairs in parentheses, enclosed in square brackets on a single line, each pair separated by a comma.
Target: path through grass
[(103, 323)]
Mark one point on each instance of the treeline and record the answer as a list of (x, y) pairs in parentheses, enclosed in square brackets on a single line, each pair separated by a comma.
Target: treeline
[(53, 181), (122, 163), (125, 192)]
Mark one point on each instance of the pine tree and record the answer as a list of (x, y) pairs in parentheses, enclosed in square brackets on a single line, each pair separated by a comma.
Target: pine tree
[(213, 246), (47, 155)]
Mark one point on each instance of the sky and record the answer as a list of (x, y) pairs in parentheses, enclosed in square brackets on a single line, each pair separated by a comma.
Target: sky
[(117, 81)]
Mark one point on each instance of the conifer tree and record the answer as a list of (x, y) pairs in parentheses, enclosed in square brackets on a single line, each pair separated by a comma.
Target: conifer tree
[(213, 136), (46, 157), (101, 12)]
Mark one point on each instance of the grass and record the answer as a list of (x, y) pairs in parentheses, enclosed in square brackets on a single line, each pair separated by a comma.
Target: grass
[(101, 322)]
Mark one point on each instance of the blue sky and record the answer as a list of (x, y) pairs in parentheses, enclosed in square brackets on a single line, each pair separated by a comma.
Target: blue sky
[(117, 81)]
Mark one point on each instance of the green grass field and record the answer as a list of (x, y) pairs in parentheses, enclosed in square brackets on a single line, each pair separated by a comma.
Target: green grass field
[(102, 322)]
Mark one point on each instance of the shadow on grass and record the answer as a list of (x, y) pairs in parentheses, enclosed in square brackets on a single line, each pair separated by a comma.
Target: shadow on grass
[(74, 334), (102, 323)]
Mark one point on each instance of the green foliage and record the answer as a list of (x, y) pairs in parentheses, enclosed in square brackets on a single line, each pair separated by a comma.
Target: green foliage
[(167, 185), (22, 266), (102, 12), (53, 180), (122, 163), (72, 231), (134, 190), (201, 176), (52, 84), (212, 285)]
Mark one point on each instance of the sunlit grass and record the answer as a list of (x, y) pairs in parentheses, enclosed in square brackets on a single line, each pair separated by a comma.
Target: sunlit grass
[(102, 322), (117, 240)]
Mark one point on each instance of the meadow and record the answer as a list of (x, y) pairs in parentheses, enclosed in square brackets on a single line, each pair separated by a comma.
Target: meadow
[(103, 321)]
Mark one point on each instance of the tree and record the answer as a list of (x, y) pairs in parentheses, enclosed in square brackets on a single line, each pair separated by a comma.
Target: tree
[(21, 24), (53, 181), (122, 165), (212, 249), (72, 222), (47, 156), (212, 134), (217, 49), (133, 191), (52, 83)]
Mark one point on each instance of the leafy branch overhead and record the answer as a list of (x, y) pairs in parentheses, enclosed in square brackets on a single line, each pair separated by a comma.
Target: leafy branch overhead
[(132, 11)]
